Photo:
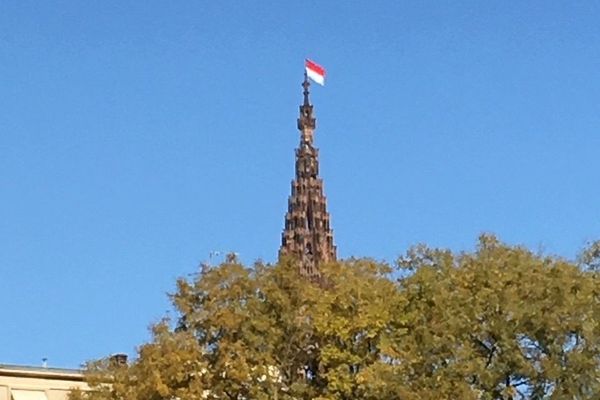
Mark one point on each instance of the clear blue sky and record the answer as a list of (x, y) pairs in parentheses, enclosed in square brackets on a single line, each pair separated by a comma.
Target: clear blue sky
[(138, 136)]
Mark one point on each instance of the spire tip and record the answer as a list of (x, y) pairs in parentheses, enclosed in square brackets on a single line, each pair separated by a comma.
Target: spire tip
[(306, 85)]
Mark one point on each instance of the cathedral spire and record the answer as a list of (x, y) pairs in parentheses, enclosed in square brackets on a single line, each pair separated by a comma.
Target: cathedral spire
[(307, 235)]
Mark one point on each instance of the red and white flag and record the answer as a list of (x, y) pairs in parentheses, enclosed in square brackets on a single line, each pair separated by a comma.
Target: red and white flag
[(315, 72)]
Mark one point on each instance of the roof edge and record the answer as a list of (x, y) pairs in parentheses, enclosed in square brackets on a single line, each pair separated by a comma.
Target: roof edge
[(41, 372)]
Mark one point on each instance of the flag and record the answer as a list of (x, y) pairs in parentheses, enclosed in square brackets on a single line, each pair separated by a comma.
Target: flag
[(315, 72)]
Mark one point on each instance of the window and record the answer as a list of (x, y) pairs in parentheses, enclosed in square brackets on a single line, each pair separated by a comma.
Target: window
[(18, 394)]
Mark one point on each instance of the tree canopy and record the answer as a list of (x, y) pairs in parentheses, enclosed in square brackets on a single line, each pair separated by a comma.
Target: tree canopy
[(500, 322)]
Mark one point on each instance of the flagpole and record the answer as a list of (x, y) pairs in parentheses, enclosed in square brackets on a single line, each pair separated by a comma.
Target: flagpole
[(306, 85)]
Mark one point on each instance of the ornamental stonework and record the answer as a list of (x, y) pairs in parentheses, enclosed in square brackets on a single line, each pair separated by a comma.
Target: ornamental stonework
[(307, 234)]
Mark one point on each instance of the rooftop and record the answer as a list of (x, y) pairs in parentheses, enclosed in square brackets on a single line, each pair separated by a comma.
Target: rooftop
[(40, 372)]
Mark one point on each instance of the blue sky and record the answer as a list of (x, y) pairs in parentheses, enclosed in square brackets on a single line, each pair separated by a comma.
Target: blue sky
[(137, 137)]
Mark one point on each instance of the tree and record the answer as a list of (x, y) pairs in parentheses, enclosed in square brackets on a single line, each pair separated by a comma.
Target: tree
[(261, 333), (501, 323), (498, 323)]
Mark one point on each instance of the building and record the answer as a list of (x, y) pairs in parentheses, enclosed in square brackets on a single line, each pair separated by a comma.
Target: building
[(307, 234), (33, 383)]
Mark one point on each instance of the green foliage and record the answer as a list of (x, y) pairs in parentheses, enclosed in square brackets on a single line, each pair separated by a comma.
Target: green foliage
[(498, 323), (501, 323)]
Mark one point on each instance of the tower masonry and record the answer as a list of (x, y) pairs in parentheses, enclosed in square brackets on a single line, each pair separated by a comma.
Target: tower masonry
[(307, 234)]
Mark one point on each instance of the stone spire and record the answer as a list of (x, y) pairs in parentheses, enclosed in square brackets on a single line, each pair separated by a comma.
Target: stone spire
[(307, 234)]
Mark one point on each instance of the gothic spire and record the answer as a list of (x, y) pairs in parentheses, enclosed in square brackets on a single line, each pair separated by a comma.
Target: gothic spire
[(307, 234)]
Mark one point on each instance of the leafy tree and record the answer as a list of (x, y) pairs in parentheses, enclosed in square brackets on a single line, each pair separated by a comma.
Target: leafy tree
[(501, 323), (498, 323), (261, 333), (170, 366)]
